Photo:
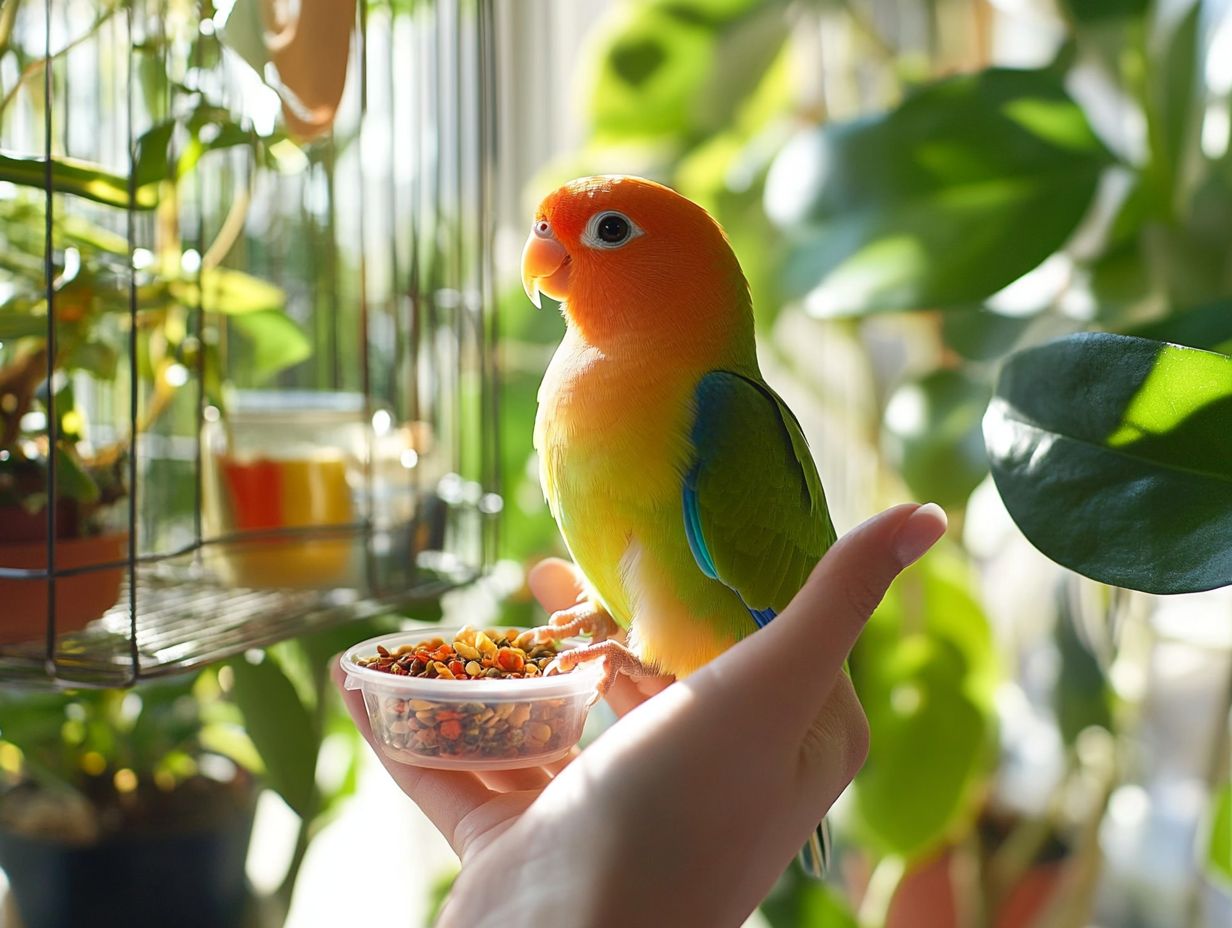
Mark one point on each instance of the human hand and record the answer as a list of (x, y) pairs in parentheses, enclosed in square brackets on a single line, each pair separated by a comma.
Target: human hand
[(686, 810)]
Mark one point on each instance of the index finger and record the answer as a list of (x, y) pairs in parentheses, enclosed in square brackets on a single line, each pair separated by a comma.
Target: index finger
[(556, 583), (791, 665)]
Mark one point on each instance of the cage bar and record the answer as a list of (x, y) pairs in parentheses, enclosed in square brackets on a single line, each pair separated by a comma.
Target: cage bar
[(259, 297)]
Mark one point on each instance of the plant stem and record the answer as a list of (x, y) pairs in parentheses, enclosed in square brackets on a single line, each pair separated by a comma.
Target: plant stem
[(867, 30), (965, 872), (875, 908), (286, 889), (1217, 772), (308, 823), (35, 67), (8, 15)]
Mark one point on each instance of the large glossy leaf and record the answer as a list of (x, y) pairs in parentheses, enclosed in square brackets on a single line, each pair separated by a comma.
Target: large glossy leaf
[(678, 70), (1114, 456), (967, 185), (280, 727), (931, 434), (81, 178), (925, 669)]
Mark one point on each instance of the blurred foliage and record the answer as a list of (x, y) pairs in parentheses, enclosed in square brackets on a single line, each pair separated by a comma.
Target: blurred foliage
[(798, 901), (1219, 835), (926, 205), (932, 435), (892, 182), (100, 286), (1082, 697), (926, 670), (292, 714), (159, 731)]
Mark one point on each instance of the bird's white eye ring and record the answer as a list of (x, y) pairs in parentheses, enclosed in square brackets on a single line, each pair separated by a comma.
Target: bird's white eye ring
[(609, 229)]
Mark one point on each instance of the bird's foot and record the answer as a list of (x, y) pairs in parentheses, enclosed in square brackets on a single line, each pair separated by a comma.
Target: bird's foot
[(584, 618), (617, 659)]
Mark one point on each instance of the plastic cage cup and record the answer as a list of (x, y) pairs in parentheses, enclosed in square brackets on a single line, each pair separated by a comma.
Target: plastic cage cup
[(502, 724)]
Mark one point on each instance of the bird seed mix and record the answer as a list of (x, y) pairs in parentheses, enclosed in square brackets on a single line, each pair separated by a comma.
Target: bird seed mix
[(476, 729)]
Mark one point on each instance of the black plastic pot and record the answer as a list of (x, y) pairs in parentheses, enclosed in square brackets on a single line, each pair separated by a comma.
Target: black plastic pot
[(190, 880)]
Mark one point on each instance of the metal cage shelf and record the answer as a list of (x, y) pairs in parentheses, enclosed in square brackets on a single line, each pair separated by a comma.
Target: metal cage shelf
[(247, 324)]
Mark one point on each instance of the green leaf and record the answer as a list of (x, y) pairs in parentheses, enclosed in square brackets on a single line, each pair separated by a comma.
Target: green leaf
[(925, 669), (243, 34), (931, 434), (964, 187), (280, 728), (1208, 327), (678, 70), (211, 128), (80, 178), (1177, 95), (1114, 456), (99, 358), (150, 161), (230, 292), (169, 720), (275, 342), (1219, 844), (73, 481), (979, 334), (15, 324), (1088, 12), (1081, 697), (798, 902), (233, 742)]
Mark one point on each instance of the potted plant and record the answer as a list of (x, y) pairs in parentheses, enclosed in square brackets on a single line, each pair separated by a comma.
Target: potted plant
[(117, 808), (104, 280), (88, 479)]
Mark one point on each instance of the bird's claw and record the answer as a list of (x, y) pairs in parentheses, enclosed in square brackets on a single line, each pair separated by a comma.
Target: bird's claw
[(617, 659), (584, 618)]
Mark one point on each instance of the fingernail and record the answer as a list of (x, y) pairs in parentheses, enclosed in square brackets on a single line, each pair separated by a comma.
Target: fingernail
[(919, 533)]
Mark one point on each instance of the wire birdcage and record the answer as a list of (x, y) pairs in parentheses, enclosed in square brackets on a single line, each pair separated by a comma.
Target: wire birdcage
[(247, 323)]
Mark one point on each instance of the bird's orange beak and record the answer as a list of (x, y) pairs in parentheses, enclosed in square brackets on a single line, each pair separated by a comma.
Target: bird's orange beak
[(545, 265)]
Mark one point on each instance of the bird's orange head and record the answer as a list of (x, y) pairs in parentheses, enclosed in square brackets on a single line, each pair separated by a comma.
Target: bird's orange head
[(632, 258)]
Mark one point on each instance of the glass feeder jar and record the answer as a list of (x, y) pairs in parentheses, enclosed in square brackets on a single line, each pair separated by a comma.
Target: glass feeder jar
[(282, 481)]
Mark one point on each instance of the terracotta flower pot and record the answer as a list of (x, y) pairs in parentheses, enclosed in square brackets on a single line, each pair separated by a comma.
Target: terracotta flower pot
[(80, 598), (310, 45), (925, 898)]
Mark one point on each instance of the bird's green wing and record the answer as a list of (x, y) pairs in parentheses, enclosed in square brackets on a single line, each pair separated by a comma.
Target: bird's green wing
[(754, 510)]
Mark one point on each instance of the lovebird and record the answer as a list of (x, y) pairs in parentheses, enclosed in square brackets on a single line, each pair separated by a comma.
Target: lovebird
[(681, 482)]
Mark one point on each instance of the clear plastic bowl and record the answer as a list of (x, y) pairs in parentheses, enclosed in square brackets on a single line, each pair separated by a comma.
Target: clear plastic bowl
[(502, 724)]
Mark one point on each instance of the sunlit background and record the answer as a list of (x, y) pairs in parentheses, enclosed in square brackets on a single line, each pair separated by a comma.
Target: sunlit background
[(915, 189)]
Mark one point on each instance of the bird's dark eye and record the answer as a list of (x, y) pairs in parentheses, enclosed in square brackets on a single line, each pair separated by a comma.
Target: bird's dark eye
[(613, 228)]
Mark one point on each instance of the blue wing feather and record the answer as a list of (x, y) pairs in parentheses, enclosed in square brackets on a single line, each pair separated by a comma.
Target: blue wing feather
[(709, 419), (701, 554)]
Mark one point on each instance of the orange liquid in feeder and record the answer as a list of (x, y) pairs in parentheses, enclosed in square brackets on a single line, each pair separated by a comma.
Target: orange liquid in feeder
[(265, 495)]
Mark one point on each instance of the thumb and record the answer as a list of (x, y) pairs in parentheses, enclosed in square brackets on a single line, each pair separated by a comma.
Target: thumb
[(793, 662)]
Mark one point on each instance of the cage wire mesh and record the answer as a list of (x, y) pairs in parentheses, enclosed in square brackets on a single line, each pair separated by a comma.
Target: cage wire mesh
[(247, 323)]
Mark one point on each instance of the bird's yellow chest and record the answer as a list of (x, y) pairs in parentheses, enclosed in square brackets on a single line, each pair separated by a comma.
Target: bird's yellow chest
[(612, 437)]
